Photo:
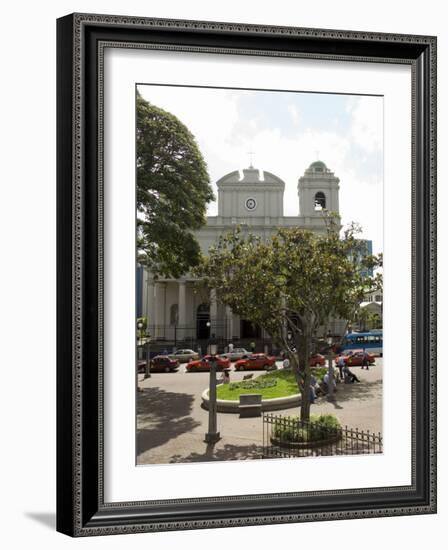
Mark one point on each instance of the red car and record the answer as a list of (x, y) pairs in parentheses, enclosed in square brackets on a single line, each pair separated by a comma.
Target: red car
[(203, 365), (317, 360), (354, 358), (256, 361), (159, 363)]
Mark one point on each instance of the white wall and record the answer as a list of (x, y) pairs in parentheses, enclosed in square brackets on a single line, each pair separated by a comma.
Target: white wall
[(27, 218)]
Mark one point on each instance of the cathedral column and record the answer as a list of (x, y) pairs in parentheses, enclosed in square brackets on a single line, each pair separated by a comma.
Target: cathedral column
[(229, 322), (182, 301), (159, 309), (148, 302)]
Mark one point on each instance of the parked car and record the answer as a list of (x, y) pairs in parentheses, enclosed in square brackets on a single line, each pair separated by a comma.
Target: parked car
[(353, 358), (159, 363), (317, 360), (236, 353), (184, 355), (203, 365), (256, 361)]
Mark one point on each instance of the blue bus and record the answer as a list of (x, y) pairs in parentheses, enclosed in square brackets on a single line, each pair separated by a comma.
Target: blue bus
[(370, 341)]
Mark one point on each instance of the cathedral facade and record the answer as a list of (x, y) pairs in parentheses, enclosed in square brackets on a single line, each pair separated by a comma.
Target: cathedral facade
[(253, 200)]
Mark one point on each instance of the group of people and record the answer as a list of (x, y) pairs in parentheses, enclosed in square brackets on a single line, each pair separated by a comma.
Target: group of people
[(323, 387), (345, 373)]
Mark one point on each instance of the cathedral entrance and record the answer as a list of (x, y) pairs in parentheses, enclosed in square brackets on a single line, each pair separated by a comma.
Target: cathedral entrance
[(202, 318), (249, 329)]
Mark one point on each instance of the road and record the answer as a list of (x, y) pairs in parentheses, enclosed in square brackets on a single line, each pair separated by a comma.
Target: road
[(171, 422)]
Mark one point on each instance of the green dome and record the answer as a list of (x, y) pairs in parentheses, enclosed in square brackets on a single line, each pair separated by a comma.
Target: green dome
[(318, 164)]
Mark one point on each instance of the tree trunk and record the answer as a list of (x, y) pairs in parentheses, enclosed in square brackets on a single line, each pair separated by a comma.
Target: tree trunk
[(304, 348)]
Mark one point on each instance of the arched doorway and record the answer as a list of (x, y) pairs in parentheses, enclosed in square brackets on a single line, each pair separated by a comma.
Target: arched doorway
[(202, 318)]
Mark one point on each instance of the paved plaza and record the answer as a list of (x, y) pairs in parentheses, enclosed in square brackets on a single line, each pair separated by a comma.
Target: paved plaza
[(171, 422)]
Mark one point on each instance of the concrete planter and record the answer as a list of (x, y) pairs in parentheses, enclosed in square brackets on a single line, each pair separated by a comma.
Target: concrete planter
[(306, 444), (279, 403)]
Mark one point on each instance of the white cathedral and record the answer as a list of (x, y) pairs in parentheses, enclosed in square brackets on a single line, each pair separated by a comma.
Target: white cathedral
[(253, 200)]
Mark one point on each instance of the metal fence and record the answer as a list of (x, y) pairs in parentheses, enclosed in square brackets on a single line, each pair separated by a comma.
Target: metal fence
[(285, 437)]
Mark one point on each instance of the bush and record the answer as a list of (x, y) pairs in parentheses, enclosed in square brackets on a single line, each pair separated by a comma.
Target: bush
[(291, 429), (257, 383)]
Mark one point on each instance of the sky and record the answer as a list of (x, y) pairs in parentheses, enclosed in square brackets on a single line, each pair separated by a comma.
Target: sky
[(287, 131)]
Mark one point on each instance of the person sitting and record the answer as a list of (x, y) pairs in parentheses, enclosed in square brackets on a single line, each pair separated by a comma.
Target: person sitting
[(326, 382), (225, 379), (315, 385), (349, 376)]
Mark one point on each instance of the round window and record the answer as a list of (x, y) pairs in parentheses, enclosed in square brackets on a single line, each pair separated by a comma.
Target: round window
[(251, 204)]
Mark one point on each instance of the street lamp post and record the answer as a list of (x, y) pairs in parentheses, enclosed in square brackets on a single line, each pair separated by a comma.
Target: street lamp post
[(140, 326), (212, 435), (148, 356)]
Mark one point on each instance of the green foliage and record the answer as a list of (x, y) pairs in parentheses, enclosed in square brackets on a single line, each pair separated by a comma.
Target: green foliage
[(291, 429), (253, 384), (298, 279), (278, 383), (269, 385), (173, 189)]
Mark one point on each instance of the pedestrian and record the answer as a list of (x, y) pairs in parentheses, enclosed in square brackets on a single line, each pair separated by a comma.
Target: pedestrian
[(230, 347), (365, 360), (226, 377), (312, 395), (326, 381), (349, 376), (314, 384), (340, 362), (252, 347)]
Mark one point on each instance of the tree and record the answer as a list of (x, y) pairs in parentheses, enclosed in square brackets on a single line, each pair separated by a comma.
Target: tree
[(173, 189), (295, 282), (364, 316)]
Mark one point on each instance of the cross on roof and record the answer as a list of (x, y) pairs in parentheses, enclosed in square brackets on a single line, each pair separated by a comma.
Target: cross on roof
[(251, 155)]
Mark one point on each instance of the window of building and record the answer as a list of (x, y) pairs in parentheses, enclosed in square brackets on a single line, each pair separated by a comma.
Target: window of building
[(320, 202)]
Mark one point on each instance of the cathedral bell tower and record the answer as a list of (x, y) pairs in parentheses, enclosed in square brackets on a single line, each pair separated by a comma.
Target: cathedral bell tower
[(318, 190)]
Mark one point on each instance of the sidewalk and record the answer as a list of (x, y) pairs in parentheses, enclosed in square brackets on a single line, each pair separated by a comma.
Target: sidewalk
[(357, 405), (171, 423)]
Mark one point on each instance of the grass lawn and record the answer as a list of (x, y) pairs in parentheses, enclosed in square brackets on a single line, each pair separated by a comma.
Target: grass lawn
[(273, 384)]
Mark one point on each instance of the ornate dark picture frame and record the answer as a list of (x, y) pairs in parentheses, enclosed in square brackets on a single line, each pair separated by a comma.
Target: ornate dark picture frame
[(81, 509)]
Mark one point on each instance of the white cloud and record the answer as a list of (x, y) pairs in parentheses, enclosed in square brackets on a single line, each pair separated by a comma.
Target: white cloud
[(367, 122), (294, 112)]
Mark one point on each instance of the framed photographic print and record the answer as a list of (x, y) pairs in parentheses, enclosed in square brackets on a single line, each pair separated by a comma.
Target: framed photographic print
[(246, 274)]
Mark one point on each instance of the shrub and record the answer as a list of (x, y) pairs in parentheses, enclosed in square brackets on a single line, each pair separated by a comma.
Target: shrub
[(291, 429), (257, 383)]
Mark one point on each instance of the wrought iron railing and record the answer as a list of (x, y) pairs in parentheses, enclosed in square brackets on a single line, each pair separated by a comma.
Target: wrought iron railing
[(286, 436)]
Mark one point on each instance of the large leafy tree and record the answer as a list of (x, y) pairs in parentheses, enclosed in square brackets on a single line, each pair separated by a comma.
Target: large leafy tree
[(295, 282), (173, 189)]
